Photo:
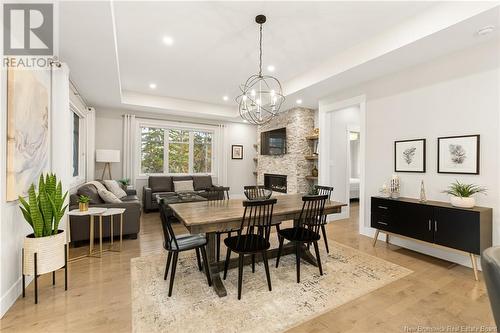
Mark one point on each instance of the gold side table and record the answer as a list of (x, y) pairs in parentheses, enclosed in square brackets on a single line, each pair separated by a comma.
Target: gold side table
[(111, 212), (91, 212)]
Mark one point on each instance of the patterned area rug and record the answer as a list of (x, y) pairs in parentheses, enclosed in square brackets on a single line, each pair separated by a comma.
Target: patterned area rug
[(194, 306)]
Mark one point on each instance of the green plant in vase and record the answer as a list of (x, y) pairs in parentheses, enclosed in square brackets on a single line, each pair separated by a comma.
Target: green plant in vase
[(43, 211), (83, 203), (461, 195), (124, 181)]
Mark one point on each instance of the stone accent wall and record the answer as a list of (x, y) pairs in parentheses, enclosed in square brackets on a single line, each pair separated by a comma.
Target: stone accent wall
[(299, 123)]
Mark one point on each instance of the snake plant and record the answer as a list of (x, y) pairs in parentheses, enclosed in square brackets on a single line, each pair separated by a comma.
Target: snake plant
[(44, 210)]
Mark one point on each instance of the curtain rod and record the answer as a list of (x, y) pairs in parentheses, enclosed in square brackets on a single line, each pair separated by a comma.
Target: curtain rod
[(179, 121), (76, 92)]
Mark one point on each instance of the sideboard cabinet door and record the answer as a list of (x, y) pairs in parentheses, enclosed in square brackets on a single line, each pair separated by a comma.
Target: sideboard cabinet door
[(415, 221), (457, 228)]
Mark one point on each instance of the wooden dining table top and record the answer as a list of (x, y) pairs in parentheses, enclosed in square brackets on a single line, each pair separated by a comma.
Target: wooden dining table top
[(211, 216)]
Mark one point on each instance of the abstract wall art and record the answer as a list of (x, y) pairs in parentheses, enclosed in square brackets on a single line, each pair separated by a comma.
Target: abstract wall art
[(28, 102)]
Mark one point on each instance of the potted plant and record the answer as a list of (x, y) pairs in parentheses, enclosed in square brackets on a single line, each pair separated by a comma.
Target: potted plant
[(83, 203), (461, 195), (43, 211), (125, 182)]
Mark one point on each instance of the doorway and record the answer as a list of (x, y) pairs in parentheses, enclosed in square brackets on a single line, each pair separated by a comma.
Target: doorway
[(342, 158)]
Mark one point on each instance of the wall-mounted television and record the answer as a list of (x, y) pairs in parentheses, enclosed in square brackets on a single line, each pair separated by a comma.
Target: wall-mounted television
[(273, 142)]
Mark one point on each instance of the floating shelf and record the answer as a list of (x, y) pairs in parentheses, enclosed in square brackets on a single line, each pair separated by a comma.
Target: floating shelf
[(311, 178), (312, 137), (311, 157)]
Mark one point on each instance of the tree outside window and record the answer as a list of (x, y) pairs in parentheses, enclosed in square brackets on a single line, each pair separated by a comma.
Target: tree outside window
[(186, 151), (152, 145), (202, 152), (178, 151)]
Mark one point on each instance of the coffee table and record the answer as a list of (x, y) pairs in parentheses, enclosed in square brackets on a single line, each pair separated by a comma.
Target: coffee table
[(174, 198)]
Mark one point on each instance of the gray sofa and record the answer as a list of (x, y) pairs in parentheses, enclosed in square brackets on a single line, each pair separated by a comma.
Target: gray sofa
[(165, 185), (131, 218)]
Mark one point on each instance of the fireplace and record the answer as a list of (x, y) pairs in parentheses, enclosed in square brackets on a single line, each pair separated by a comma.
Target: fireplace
[(276, 183)]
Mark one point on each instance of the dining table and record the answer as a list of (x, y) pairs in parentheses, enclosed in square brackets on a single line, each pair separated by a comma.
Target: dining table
[(210, 217)]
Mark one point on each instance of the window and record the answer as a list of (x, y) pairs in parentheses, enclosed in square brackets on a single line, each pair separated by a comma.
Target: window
[(152, 145), (76, 145), (178, 151), (202, 152), (174, 150), (79, 146)]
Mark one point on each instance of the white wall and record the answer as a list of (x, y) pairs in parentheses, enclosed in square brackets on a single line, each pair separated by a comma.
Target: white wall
[(13, 228), (240, 172), (453, 95), (109, 129)]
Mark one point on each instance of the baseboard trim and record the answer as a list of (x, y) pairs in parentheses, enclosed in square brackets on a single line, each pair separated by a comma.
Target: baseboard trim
[(11, 296), (429, 250)]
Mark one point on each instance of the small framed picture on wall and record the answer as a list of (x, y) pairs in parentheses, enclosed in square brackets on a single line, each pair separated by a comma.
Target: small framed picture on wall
[(459, 154), (409, 156), (237, 152)]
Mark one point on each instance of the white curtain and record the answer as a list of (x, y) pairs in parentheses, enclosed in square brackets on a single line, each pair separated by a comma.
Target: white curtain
[(221, 152), (90, 154), (129, 147)]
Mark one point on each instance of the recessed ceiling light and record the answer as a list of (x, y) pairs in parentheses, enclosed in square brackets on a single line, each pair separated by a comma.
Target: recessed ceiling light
[(152, 85), (485, 30), (299, 101), (271, 68), (225, 98), (167, 40)]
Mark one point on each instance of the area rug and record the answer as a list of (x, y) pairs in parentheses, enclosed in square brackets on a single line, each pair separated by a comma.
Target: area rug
[(194, 306)]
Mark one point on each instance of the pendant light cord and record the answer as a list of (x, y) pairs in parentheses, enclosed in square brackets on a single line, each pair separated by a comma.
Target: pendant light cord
[(260, 51)]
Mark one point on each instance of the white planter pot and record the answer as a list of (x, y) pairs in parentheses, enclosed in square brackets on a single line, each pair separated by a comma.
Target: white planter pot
[(462, 202), (49, 251)]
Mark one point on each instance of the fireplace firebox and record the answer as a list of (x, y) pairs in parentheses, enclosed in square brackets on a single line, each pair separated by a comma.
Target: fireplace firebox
[(276, 183)]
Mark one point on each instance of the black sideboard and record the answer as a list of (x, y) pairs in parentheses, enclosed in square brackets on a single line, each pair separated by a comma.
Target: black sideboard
[(435, 222)]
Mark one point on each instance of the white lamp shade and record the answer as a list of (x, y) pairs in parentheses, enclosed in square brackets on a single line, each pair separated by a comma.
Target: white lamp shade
[(107, 155)]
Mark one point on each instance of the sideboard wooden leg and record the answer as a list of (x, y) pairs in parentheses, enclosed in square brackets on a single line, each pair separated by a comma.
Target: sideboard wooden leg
[(387, 238), (474, 265), (376, 237)]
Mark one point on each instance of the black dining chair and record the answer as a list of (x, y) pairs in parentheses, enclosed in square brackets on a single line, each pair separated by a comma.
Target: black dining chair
[(218, 194), (306, 230), (175, 244), (324, 190), (252, 237)]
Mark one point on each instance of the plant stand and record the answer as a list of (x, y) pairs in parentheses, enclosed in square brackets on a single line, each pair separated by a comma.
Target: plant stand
[(36, 275)]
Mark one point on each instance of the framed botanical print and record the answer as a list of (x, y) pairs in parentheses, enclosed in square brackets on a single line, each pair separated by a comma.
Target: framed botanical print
[(237, 152), (409, 156), (459, 154)]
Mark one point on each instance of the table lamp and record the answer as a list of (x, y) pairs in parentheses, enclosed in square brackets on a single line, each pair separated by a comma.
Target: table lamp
[(107, 156)]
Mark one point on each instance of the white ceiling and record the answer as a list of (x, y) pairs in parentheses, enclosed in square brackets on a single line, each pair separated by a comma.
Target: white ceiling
[(215, 48)]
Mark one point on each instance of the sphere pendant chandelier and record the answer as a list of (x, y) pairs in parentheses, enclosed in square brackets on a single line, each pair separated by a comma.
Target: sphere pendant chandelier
[(261, 95)]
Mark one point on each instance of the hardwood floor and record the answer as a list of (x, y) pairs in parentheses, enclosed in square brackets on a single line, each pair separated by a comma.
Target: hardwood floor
[(437, 294)]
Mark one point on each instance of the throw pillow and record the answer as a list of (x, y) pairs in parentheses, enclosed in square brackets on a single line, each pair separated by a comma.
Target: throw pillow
[(108, 196), (115, 188), (183, 186)]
